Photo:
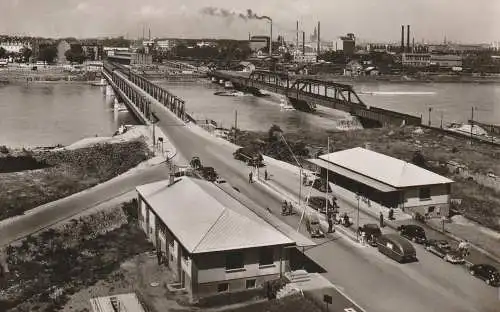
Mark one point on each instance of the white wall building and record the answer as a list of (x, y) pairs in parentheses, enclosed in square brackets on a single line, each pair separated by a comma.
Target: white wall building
[(384, 181), (211, 242), (14, 46)]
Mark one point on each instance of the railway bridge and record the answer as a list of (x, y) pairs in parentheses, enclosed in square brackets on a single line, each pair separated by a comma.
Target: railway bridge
[(306, 94)]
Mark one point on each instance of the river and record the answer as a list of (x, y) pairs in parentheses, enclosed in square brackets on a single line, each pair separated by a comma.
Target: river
[(49, 114)]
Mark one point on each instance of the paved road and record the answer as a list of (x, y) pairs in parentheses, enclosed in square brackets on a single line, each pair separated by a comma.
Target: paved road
[(49, 214), (374, 281)]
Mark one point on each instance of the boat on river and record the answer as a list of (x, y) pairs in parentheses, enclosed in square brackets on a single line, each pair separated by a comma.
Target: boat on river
[(229, 93)]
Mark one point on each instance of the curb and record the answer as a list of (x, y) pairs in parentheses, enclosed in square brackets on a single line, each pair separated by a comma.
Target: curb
[(324, 224)]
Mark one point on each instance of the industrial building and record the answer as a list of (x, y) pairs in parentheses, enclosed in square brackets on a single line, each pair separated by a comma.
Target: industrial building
[(211, 242), (382, 181)]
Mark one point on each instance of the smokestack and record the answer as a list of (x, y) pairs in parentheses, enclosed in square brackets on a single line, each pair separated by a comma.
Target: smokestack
[(319, 40), (249, 37), (149, 34), (408, 38), (271, 40), (297, 42), (303, 43), (413, 45), (402, 38)]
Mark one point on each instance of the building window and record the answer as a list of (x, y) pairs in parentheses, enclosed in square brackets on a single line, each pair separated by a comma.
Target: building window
[(234, 261), (266, 256), (222, 287), (424, 193), (250, 283)]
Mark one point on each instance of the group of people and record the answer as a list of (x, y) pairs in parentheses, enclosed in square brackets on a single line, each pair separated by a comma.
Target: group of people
[(250, 176)]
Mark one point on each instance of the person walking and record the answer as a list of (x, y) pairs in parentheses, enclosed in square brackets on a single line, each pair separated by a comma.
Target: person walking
[(250, 177), (381, 220), (329, 217), (265, 175)]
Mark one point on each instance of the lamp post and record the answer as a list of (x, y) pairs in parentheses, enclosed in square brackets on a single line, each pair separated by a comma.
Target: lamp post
[(357, 220)]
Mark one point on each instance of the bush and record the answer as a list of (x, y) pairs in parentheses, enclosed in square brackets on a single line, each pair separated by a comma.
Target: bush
[(4, 149), (130, 209), (230, 298)]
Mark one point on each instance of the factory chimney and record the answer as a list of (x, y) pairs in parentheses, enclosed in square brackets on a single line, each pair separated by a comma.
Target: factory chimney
[(319, 39), (297, 41), (413, 46), (402, 38), (303, 43), (271, 40), (249, 37), (408, 38), (149, 34)]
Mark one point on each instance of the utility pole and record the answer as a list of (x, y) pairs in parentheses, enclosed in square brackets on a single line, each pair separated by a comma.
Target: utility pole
[(471, 124), (430, 110), (327, 174), (235, 124)]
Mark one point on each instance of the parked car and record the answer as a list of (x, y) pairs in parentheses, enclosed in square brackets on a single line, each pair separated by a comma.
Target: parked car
[(372, 232), (208, 173), (413, 232), (455, 257), (396, 248), (487, 273), (321, 185), (250, 156), (319, 204), (438, 247)]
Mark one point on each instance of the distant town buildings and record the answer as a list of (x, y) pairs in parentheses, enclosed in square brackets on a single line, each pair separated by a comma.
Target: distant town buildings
[(258, 43), (15, 46), (166, 44), (348, 44)]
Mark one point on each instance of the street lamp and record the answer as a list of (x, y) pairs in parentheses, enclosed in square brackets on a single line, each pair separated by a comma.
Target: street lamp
[(357, 221)]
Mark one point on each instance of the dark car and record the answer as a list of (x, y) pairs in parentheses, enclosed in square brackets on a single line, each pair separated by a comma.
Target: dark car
[(250, 156), (208, 173), (442, 249), (438, 247), (372, 232), (397, 248), (487, 273), (413, 232), (321, 186), (319, 203)]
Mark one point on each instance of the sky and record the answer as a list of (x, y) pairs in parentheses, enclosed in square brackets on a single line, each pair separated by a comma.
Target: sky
[(370, 20)]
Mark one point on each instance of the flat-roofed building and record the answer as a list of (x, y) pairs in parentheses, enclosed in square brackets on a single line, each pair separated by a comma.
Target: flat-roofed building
[(211, 242), (446, 60), (416, 59), (384, 181)]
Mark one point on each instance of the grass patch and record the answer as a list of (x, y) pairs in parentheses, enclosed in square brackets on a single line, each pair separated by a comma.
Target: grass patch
[(47, 268), (69, 172), (479, 203)]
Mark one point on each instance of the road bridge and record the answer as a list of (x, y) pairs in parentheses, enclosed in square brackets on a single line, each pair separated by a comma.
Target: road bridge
[(133, 90), (305, 94)]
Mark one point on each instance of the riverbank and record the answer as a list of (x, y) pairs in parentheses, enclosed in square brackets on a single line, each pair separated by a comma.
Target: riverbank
[(33, 177), (408, 79), (56, 74), (476, 191)]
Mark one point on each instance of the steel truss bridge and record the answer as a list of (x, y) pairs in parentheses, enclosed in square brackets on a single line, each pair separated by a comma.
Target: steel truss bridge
[(306, 94)]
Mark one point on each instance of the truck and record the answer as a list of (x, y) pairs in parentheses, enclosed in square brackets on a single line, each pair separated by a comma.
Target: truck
[(249, 155)]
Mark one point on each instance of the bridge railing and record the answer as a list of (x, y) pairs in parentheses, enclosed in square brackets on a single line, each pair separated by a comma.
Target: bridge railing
[(167, 99)]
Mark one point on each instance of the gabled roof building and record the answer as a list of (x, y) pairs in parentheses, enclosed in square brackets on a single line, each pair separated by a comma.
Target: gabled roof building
[(381, 180), (212, 243)]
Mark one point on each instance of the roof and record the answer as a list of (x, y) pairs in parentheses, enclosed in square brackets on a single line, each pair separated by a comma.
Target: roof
[(388, 170), (353, 175), (205, 219), (127, 302), (403, 242)]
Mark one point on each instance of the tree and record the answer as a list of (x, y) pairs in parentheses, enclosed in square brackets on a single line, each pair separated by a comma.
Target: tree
[(48, 53), (75, 54), (419, 159), (26, 54), (274, 132)]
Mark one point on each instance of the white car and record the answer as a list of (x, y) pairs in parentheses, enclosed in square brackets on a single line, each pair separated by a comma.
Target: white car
[(308, 178)]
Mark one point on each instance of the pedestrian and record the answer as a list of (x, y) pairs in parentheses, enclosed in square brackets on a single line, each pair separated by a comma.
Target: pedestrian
[(290, 208), (329, 217), (391, 214), (265, 175), (250, 177), (284, 207), (363, 236), (381, 220)]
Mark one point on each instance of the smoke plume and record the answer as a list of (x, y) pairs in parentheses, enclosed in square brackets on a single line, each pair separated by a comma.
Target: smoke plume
[(248, 15)]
